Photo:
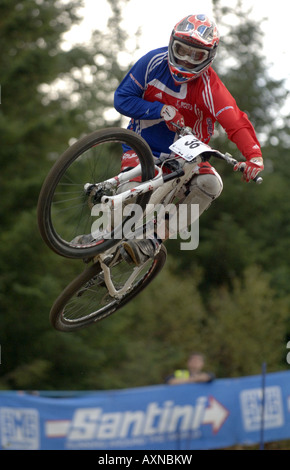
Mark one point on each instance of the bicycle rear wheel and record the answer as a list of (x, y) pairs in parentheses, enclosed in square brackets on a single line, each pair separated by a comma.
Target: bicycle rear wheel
[(86, 299), (64, 207)]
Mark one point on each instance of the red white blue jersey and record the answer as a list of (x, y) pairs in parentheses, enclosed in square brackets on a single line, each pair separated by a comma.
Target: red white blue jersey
[(203, 101)]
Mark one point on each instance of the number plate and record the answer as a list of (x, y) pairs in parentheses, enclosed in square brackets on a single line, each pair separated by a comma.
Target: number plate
[(189, 147)]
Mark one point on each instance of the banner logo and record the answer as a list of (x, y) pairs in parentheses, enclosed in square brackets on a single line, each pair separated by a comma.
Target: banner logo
[(19, 428)]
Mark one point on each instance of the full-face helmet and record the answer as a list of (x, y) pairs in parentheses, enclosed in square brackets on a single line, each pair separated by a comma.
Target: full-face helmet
[(192, 47)]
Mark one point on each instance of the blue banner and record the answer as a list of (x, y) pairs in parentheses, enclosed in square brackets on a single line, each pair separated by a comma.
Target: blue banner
[(166, 417)]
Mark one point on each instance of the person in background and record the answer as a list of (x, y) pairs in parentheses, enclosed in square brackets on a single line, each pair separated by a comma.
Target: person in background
[(194, 372)]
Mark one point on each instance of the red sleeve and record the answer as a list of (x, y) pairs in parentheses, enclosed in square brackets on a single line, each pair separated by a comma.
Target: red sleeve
[(235, 122)]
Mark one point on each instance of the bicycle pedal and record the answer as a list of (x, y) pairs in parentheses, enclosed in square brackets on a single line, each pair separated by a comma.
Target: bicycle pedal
[(125, 255)]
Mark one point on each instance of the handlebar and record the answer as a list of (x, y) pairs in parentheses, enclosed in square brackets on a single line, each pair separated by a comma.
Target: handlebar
[(232, 161), (183, 131)]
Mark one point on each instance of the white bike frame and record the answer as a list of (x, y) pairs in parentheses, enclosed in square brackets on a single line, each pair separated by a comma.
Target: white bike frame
[(187, 151)]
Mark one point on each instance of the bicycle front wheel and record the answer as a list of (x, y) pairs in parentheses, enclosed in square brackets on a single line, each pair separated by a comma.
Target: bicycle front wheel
[(86, 300), (65, 209)]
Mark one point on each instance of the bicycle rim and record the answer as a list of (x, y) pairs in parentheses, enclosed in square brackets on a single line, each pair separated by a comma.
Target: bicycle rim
[(86, 300), (64, 207)]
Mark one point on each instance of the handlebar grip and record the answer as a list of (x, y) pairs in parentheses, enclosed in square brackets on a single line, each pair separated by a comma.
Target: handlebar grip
[(258, 179)]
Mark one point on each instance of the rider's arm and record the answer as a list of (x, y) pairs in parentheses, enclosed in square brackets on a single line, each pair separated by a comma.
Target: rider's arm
[(128, 99), (235, 122)]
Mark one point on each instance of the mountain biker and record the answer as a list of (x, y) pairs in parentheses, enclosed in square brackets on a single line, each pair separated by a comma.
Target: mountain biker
[(177, 85)]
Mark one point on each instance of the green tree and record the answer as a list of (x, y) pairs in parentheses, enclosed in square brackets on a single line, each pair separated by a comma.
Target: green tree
[(242, 66), (49, 95), (247, 229), (151, 336), (216, 299), (246, 326)]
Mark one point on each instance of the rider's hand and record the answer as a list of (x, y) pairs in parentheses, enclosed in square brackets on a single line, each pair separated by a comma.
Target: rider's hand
[(251, 168), (172, 117)]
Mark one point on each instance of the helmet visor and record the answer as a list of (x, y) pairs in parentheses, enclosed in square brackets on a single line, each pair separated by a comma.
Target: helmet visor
[(190, 54)]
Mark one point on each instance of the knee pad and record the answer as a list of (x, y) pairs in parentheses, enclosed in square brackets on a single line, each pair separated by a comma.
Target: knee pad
[(203, 189), (209, 184)]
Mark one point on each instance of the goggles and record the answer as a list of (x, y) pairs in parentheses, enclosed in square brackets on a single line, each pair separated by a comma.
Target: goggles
[(191, 54)]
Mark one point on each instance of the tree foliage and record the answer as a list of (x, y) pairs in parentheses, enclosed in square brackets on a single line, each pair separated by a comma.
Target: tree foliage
[(229, 298), (50, 95)]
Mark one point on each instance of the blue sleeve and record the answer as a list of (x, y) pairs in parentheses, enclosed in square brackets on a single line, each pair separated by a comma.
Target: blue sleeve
[(128, 99)]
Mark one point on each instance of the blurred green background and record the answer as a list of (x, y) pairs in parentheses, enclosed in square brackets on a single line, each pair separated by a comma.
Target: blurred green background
[(229, 298)]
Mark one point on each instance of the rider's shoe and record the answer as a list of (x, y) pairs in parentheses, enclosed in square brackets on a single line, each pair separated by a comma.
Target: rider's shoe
[(139, 251), (83, 239)]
